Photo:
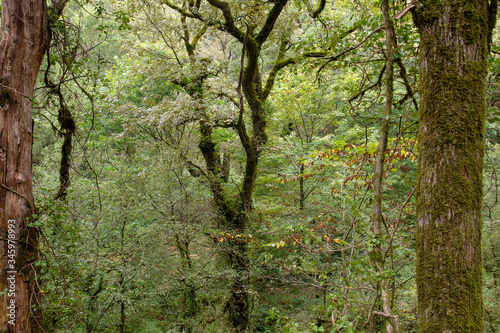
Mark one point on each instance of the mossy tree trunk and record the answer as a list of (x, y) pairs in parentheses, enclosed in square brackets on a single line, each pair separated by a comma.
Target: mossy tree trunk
[(454, 43), (231, 212), (234, 211), (25, 38)]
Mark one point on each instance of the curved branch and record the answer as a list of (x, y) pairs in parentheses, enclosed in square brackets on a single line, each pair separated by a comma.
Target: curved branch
[(362, 92), (182, 11), (30, 205), (194, 170), (197, 37), (404, 11), (55, 10), (240, 125), (228, 17), (404, 76), (270, 21), (320, 8), (335, 57)]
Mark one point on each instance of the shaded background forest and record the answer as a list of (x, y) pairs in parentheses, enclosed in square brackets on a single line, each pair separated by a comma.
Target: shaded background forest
[(134, 241)]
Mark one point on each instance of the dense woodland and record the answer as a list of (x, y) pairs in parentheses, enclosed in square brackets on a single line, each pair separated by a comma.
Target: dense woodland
[(257, 166)]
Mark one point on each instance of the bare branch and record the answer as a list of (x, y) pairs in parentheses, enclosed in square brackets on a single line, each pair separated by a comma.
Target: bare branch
[(492, 19), (335, 57), (404, 76), (240, 125), (362, 92), (30, 205), (404, 11), (278, 65)]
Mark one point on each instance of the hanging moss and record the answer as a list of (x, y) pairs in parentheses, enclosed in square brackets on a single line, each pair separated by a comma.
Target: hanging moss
[(68, 127)]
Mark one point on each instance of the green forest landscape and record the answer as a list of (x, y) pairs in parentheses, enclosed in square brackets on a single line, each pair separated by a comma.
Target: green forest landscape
[(249, 166)]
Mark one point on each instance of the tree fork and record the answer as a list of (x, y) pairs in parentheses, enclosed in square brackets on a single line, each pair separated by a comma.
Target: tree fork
[(233, 213)]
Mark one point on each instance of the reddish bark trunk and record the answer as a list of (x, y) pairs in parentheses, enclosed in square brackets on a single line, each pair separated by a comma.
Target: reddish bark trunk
[(25, 39)]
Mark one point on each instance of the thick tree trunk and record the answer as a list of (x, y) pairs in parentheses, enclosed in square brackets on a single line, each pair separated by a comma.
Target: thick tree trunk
[(232, 219), (453, 64), (24, 41)]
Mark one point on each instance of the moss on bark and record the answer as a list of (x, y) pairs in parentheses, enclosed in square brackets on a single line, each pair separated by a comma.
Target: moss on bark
[(453, 67)]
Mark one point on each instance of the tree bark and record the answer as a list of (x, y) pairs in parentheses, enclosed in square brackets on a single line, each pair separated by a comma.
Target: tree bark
[(454, 43), (250, 86), (378, 255), (302, 193), (25, 38), (233, 212)]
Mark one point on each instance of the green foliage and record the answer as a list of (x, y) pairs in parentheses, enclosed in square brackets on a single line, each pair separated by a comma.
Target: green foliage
[(135, 244)]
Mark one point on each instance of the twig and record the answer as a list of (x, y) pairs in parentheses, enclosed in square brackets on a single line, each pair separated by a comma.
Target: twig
[(17, 92), (335, 57), (404, 11), (19, 194), (385, 314)]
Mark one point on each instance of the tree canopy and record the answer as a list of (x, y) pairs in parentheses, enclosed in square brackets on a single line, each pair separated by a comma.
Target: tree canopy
[(252, 166)]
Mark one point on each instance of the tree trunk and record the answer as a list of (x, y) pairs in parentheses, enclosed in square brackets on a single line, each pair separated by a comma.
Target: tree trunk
[(454, 42), (302, 194), (233, 212), (378, 254), (25, 39)]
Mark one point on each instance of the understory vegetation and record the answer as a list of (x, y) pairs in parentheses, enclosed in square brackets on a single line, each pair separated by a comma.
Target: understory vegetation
[(201, 190)]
